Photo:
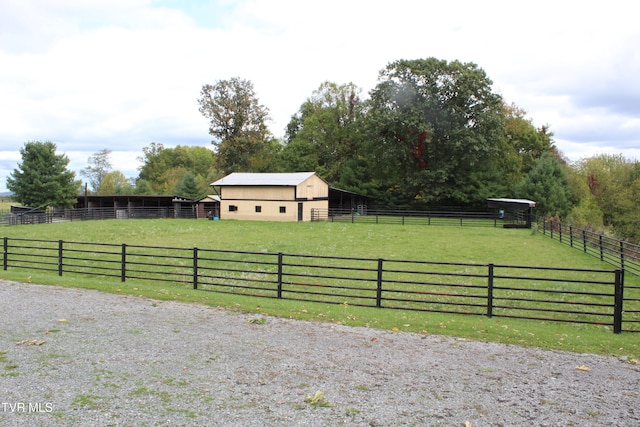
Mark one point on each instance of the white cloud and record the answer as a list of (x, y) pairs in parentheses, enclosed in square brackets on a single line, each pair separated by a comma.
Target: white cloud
[(121, 74)]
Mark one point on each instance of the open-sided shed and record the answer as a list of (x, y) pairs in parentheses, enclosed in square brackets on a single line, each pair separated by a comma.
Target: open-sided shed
[(518, 211)]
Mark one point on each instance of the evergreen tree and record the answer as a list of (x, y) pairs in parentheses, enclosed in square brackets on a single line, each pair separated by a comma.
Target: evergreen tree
[(548, 185), (189, 188), (42, 179)]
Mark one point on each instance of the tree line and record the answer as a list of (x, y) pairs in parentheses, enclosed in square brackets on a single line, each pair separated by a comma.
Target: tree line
[(431, 133)]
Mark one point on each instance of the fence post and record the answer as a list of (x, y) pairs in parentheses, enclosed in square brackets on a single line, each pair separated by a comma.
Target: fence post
[(195, 268), (490, 291), (59, 257), (601, 249), (280, 275), (123, 263), (621, 255), (5, 256), (560, 231), (551, 228), (571, 235), (584, 240), (618, 302), (379, 285)]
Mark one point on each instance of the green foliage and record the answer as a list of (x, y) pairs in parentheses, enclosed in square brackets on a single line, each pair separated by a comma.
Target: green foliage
[(317, 400), (98, 167), (189, 188), (434, 127), (611, 184), (42, 179), (323, 135), (164, 169), (526, 141), (548, 185), (237, 121), (115, 183)]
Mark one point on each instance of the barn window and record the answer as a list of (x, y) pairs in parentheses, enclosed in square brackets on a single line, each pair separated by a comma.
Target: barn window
[(233, 208), (283, 209), (258, 209)]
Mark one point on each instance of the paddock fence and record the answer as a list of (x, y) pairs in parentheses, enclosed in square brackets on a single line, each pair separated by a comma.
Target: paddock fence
[(409, 217), (586, 296), (618, 253), (88, 214)]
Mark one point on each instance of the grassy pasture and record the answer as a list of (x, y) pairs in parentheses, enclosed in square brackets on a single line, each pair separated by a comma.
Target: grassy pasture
[(388, 241)]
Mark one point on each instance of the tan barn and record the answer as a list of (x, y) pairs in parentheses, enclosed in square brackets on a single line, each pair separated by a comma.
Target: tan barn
[(272, 196)]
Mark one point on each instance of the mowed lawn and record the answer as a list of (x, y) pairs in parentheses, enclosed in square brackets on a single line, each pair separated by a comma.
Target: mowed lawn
[(467, 244)]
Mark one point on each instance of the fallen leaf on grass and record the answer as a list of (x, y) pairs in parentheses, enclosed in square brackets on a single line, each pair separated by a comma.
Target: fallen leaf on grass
[(31, 342), (583, 368)]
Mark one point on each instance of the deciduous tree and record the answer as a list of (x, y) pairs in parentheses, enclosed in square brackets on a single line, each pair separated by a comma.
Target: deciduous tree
[(98, 167), (323, 135), (237, 121), (435, 128), (115, 183)]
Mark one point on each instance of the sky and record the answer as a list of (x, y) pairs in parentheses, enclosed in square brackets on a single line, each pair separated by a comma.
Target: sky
[(120, 74)]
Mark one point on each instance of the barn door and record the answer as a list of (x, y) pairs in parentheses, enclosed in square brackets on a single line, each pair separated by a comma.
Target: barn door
[(300, 210)]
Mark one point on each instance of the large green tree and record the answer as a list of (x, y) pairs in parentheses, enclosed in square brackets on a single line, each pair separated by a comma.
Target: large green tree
[(42, 179), (323, 135), (165, 168), (434, 133), (237, 122)]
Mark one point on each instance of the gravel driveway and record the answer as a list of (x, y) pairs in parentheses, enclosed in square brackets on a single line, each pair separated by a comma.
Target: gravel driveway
[(75, 357)]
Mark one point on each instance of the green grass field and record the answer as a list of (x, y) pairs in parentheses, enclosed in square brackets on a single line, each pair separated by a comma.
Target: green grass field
[(428, 243)]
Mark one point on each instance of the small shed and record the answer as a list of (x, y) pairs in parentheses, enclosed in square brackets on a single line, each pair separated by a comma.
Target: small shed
[(209, 207), (518, 213)]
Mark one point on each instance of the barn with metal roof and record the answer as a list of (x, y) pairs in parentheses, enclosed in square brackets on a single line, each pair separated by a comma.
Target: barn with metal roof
[(271, 196)]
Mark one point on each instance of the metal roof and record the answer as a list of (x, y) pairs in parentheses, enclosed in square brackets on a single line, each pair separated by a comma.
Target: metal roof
[(529, 203), (267, 179)]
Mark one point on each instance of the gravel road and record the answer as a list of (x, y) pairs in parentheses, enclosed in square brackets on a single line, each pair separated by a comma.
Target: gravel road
[(75, 357)]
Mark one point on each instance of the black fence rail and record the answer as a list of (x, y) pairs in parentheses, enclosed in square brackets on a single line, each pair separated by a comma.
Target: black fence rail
[(525, 292), (62, 215), (618, 253), (490, 219)]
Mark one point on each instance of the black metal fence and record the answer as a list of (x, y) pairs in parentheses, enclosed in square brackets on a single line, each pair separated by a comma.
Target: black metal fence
[(363, 215), (620, 254), (62, 215), (586, 296)]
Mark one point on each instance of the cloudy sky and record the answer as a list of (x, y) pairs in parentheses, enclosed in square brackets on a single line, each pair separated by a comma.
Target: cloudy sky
[(120, 74)]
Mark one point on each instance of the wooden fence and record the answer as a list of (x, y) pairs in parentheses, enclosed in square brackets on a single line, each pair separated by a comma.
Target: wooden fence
[(586, 296)]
